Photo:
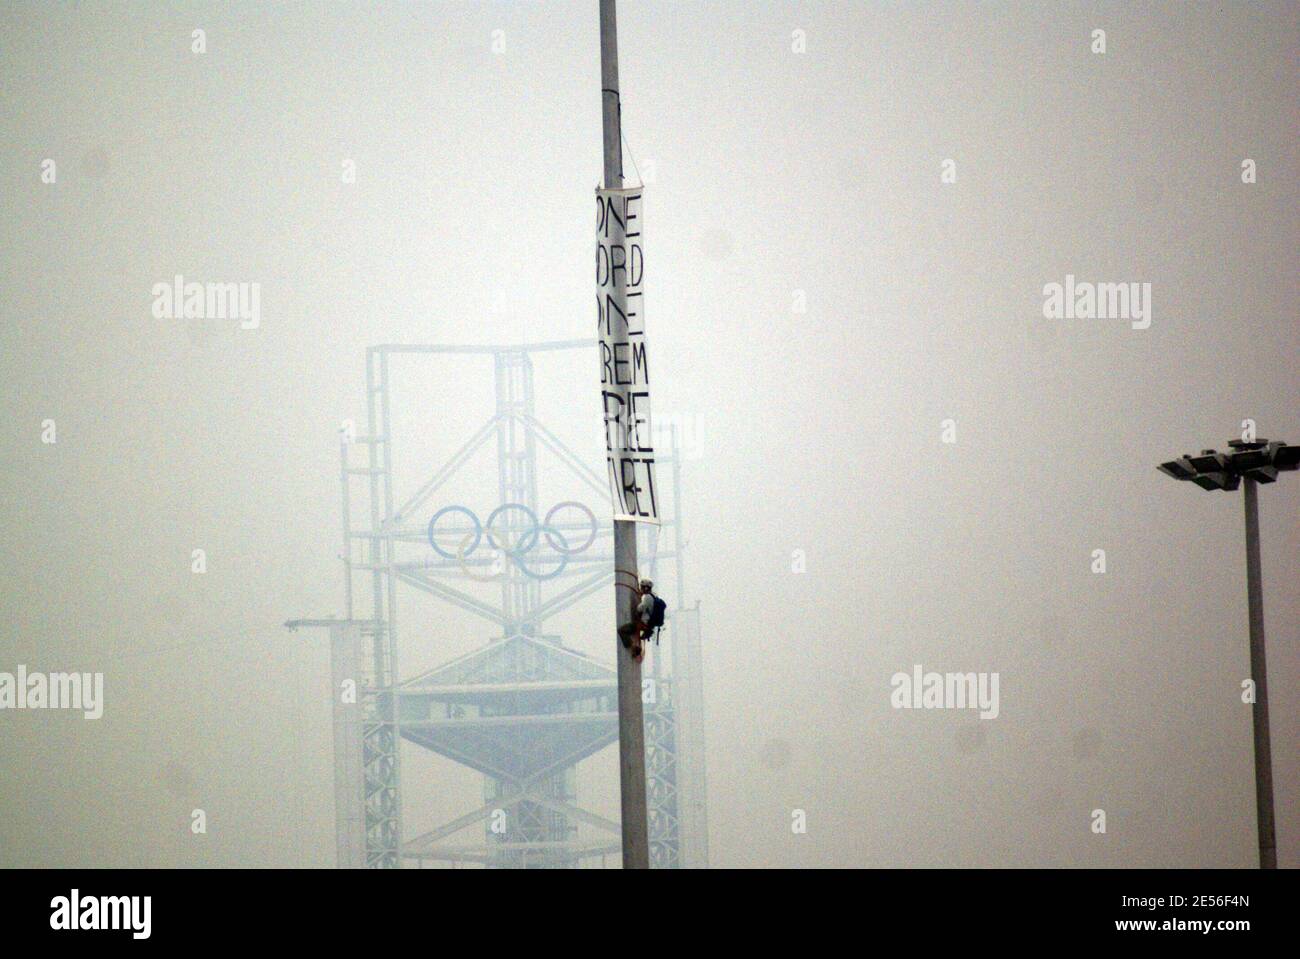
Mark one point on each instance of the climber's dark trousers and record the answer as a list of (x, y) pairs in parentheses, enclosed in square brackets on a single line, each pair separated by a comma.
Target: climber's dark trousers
[(627, 631)]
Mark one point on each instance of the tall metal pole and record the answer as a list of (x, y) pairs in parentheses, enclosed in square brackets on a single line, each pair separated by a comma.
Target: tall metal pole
[(1258, 672), (631, 728)]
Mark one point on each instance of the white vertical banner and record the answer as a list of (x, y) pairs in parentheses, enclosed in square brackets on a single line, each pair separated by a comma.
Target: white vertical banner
[(624, 369)]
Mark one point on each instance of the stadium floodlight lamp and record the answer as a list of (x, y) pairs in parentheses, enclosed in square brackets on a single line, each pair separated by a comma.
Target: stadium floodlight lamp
[(1286, 458), (1179, 469), (1209, 462), (1248, 456)]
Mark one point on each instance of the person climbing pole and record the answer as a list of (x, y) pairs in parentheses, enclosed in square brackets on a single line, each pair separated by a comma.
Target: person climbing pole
[(647, 616)]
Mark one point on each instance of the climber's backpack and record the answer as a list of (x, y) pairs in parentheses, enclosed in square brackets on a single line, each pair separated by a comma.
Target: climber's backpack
[(657, 617)]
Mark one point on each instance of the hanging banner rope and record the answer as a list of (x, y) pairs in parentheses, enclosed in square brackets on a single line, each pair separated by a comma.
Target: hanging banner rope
[(624, 367)]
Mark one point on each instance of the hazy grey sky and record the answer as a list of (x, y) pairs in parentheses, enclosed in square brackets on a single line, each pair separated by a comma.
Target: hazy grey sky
[(819, 302)]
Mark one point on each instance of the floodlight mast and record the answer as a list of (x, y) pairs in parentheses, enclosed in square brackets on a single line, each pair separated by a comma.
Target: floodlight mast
[(1250, 463), (631, 727), (1259, 673)]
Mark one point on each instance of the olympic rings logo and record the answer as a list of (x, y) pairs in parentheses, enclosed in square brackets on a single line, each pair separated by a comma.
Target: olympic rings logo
[(499, 538)]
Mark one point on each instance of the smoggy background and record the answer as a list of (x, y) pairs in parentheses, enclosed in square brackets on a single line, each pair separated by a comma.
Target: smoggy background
[(771, 174)]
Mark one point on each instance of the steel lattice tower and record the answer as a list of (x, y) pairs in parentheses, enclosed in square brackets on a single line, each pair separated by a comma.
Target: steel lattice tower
[(523, 709)]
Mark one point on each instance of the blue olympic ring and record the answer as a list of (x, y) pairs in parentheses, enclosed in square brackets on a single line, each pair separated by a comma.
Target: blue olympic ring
[(478, 529), (526, 543)]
